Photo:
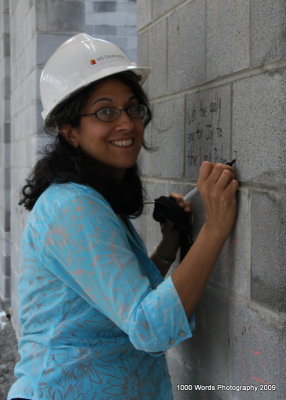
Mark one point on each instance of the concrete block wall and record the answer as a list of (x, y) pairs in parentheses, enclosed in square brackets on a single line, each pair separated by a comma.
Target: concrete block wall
[(5, 268), (217, 88), (30, 31)]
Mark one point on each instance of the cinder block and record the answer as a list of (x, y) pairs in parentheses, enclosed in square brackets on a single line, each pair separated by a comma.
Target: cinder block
[(268, 243), (126, 6), (6, 265), (157, 46), (161, 7), (186, 381), (168, 136), (60, 16), (143, 55), (232, 270), (29, 23), (121, 18), (6, 45), (102, 6), (128, 31), (5, 288), (233, 345), (6, 248), (144, 160), (6, 22), (144, 13), (105, 30), (186, 46), (208, 128), (228, 37), (208, 350), (259, 128), (268, 19), (256, 353)]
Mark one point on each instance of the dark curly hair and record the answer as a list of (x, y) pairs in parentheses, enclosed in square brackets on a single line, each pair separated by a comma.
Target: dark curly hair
[(62, 163)]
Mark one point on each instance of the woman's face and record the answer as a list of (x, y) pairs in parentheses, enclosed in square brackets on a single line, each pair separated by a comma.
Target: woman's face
[(117, 143)]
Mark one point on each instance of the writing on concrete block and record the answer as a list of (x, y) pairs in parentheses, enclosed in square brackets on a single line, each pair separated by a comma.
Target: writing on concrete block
[(208, 127)]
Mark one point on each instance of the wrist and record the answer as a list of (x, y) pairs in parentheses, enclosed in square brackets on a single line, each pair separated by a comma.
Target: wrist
[(163, 256), (214, 233)]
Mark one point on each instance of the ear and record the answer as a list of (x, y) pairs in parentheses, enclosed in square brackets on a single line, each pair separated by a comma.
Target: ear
[(70, 134)]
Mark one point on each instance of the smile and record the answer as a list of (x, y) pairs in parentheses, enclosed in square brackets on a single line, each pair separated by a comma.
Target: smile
[(122, 143)]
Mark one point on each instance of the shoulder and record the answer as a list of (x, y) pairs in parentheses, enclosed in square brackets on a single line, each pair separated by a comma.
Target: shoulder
[(59, 194), (61, 200)]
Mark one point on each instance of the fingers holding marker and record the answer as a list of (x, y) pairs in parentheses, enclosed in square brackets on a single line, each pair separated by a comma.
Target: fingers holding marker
[(224, 178), (184, 204)]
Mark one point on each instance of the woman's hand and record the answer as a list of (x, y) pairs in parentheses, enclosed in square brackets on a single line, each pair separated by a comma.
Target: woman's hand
[(168, 228), (217, 186), (165, 252), (169, 245)]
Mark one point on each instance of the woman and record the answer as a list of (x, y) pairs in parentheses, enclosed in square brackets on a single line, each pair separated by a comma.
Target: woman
[(96, 314)]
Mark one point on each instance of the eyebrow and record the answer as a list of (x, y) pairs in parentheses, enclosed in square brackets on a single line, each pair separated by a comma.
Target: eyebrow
[(109, 99)]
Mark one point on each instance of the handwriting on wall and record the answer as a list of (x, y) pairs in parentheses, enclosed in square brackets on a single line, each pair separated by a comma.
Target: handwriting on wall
[(208, 128)]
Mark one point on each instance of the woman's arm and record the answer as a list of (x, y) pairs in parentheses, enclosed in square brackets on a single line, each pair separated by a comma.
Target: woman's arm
[(217, 188)]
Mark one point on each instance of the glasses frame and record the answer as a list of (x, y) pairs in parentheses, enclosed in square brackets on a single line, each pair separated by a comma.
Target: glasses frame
[(119, 111)]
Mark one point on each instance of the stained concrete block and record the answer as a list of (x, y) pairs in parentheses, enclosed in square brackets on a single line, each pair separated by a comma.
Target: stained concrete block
[(268, 243), (168, 136), (208, 128), (259, 144), (157, 46), (234, 345), (144, 13), (60, 16), (228, 37), (186, 46), (268, 40), (257, 353), (232, 270)]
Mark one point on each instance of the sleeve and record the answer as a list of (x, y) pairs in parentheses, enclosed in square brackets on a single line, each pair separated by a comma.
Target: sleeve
[(88, 249)]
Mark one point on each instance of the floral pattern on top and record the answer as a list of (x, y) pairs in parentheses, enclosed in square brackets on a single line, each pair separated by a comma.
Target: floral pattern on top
[(96, 315)]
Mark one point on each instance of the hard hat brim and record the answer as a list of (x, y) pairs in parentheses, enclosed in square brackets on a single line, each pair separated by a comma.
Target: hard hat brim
[(141, 72)]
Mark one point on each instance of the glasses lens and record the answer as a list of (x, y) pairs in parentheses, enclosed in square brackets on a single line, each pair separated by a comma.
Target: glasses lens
[(138, 111), (107, 114)]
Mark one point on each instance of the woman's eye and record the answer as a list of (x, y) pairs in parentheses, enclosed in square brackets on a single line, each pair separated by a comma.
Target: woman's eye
[(105, 111)]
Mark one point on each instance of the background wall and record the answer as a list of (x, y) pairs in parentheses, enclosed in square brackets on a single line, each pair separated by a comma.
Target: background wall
[(218, 92), (4, 151)]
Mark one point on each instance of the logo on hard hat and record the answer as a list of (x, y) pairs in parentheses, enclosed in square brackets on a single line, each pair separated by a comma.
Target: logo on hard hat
[(92, 62)]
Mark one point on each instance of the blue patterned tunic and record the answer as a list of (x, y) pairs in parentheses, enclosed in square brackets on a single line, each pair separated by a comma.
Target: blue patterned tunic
[(96, 315)]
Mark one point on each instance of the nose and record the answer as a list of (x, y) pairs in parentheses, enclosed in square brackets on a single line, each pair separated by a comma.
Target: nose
[(124, 121)]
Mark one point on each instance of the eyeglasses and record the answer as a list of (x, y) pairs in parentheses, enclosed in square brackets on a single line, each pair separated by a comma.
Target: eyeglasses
[(109, 114)]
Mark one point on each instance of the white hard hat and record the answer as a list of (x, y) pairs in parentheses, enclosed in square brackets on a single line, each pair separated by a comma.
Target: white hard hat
[(78, 62)]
